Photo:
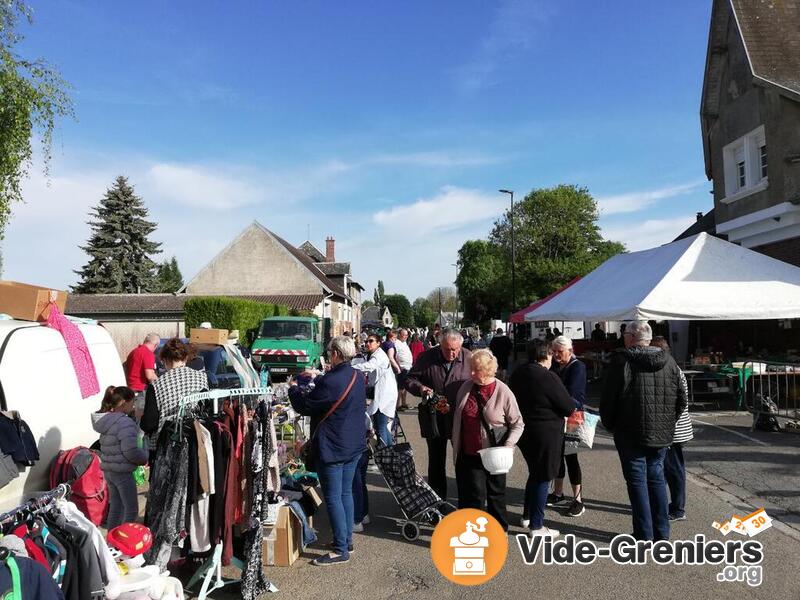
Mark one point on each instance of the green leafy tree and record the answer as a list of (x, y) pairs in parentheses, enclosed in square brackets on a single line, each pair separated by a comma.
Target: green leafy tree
[(32, 97), (484, 279), (119, 249), (447, 296), (401, 310), (424, 315), (365, 304), (168, 278), (556, 238), (378, 295)]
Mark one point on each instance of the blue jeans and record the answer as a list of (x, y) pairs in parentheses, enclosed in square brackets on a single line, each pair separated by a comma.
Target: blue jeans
[(675, 474), (123, 503), (336, 480), (643, 468), (535, 502), (360, 497), (381, 423)]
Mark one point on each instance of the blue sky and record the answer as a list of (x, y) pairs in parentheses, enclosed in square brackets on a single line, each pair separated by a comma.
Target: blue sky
[(389, 126)]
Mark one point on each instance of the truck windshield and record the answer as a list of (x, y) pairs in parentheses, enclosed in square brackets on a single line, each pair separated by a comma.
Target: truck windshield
[(285, 330)]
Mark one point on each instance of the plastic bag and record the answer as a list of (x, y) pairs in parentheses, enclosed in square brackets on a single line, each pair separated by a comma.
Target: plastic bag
[(139, 476), (581, 437)]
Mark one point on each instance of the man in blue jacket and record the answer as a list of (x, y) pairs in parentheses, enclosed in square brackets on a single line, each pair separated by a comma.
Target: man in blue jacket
[(336, 402)]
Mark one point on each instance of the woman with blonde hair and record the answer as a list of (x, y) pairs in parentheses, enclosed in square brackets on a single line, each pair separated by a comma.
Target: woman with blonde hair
[(486, 414)]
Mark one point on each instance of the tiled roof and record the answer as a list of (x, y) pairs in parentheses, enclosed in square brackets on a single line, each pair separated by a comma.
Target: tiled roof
[(336, 268), (91, 304), (707, 223), (771, 33), (311, 251), (309, 264)]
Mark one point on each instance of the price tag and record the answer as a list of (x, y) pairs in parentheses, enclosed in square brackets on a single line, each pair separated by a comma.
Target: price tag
[(737, 526), (757, 522), (724, 528)]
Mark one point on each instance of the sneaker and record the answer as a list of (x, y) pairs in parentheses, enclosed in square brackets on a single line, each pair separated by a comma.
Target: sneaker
[(553, 499), (358, 527), (576, 509), (366, 520), (526, 523), (545, 532), (674, 517), (330, 559)]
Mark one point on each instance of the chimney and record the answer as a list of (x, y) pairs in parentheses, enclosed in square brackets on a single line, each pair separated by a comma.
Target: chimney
[(330, 244), (699, 216)]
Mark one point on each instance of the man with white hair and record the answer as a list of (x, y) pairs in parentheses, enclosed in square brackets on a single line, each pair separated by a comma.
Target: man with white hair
[(140, 366), (440, 370), (642, 399)]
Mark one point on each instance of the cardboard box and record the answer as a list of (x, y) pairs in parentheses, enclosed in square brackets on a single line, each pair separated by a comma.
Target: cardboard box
[(209, 336), (29, 302), (282, 542)]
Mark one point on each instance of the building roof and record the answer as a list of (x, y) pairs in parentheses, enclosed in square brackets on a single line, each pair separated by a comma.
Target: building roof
[(312, 251), (335, 268), (301, 256), (706, 223), (92, 304), (771, 34)]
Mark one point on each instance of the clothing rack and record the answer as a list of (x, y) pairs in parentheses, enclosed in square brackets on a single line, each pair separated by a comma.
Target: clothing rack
[(213, 566), (37, 504)]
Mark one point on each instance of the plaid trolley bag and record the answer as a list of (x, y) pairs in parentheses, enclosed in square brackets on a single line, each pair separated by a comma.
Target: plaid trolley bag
[(416, 499)]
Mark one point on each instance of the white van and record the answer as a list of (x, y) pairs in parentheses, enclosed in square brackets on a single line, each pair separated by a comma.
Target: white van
[(38, 381)]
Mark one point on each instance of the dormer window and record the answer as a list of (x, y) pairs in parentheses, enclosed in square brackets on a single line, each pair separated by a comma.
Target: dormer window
[(745, 162)]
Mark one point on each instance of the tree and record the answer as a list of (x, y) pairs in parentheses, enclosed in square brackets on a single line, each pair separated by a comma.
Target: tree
[(119, 249), (365, 304), (424, 315), (484, 279), (401, 310), (556, 237), (378, 295), (32, 96), (168, 278), (448, 299)]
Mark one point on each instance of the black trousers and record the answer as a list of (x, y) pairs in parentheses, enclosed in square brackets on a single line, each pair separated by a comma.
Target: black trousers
[(476, 488), (437, 462), (571, 465)]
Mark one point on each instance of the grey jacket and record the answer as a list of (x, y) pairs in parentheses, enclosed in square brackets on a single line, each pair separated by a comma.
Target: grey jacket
[(119, 449)]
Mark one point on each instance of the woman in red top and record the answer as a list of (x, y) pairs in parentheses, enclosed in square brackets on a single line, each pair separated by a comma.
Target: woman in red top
[(416, 346), (498, 408)]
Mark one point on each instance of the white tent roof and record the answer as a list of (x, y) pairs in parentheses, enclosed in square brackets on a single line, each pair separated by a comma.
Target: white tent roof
[(697, 278)]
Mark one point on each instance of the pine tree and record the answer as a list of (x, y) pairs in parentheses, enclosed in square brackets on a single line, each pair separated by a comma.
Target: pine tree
[(119, 248), (169, 278)]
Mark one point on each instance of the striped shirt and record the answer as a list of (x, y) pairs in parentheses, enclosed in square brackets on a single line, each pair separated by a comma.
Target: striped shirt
[(683, 427)]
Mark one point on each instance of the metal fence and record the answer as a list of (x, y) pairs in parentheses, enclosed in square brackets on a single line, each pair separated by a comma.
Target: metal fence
[(772, 388)]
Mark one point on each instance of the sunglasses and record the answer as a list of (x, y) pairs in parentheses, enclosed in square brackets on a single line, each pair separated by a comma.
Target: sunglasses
[(372, 341)]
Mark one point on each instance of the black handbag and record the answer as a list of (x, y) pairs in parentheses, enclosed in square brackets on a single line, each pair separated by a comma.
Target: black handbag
[(428, 423)]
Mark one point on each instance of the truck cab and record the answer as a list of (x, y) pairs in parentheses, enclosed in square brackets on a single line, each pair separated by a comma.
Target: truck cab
[(289, 345)]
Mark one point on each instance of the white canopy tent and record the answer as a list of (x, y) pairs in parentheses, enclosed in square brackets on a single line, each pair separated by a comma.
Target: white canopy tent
[(697, 278)]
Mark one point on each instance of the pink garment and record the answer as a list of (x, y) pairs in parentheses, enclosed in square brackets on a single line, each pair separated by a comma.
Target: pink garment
[(78, 351)]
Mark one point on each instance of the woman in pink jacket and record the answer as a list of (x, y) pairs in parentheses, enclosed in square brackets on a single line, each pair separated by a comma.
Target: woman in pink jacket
[(484, 406)]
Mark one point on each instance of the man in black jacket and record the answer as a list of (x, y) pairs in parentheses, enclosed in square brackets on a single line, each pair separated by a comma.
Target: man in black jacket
[(642, 399), (441, 370)]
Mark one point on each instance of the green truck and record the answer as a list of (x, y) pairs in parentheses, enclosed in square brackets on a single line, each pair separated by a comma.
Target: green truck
[(288, 345)]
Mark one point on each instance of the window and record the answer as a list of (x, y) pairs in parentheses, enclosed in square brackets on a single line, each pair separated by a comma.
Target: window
[(285, 330), (745, 164)]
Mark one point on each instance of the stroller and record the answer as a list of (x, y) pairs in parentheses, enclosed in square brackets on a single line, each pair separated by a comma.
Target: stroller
[(417, 501)]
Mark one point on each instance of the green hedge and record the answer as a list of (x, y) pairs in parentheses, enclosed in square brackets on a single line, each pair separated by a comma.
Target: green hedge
[(229, 313)]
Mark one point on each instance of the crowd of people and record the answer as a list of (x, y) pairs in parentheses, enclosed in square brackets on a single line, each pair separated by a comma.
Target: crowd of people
[(479, 403)]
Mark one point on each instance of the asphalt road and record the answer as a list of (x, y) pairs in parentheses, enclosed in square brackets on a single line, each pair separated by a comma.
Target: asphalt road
[(384, 565)]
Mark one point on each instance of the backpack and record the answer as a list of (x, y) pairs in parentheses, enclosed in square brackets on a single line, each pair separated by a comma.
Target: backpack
[(80, 467)]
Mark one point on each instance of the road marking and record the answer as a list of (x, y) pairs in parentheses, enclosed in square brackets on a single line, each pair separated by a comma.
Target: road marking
[(741, 435)]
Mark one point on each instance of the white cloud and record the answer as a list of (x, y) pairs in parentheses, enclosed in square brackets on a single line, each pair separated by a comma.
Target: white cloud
[(636, 201), (451, 208), (649, 234), (200, 187), (515, 24)]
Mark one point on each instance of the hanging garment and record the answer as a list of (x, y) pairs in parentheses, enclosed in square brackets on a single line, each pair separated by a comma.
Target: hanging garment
[(26, 579), (17, 440), (108, 566), (199, 526), (165, 513), (78, 351), (89, 578), (254, 582)]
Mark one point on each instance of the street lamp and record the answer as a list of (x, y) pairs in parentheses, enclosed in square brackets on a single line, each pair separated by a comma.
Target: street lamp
[(456, 282), (513, 270), (513, 254)]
